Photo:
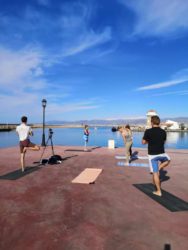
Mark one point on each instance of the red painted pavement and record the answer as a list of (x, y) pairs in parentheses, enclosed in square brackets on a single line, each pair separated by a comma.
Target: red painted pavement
[(44, 210)]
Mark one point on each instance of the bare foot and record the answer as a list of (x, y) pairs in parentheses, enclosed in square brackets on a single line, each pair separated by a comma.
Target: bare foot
[(158, 193)]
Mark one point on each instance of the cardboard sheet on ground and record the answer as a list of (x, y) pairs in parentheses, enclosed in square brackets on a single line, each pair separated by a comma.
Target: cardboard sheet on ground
[(168, 200), (135, 157), (123, 164), (88, 176)]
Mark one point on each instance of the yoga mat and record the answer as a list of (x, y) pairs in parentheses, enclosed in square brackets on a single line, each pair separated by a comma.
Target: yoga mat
[(18, 173), (134, 157), (167, 200), (88, 176), (122, 163)]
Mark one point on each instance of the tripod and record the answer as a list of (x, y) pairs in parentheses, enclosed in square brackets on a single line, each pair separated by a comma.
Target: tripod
[(46, 144)]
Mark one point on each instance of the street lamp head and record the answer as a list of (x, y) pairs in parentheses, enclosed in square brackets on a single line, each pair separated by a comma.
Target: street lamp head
[(44, 103)]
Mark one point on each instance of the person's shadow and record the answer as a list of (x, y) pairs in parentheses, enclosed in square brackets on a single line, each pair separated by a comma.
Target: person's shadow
[(163, 175), (134, 156)]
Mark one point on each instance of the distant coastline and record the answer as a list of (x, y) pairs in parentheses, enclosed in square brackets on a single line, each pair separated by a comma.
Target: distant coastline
[(136, 128)]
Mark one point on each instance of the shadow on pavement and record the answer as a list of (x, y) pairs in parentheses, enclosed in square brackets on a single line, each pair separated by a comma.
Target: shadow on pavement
[(19, 174), (163, 175)]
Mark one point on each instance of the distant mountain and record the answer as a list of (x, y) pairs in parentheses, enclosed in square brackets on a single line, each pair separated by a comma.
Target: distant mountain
[(114, 122)]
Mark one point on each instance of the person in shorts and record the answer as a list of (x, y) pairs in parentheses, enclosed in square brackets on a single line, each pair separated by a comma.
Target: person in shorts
[(155, 137), (24, 131), (86, 136)]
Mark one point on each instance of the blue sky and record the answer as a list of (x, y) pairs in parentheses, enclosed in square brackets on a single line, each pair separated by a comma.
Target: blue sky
[(93, 59)]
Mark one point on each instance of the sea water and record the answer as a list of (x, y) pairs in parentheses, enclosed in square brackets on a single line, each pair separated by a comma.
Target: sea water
[(98, 137)]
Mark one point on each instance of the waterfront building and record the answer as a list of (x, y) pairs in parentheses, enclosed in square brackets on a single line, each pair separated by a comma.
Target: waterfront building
[(172, 125), (149, 114)]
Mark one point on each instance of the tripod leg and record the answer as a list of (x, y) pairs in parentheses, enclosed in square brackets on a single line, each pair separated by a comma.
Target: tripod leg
[(52, 146), (46, 144)]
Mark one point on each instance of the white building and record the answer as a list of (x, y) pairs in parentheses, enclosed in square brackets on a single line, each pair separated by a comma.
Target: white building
[(172, 124), (149, 114)]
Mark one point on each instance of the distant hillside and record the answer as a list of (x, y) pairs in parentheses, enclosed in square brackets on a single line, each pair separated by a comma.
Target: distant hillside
[(98, 122), (115, 122)]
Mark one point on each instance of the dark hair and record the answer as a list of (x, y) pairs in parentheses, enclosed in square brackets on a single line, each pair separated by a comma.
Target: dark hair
[(128, 126), (86, 126), (24, 119), (155, 120)]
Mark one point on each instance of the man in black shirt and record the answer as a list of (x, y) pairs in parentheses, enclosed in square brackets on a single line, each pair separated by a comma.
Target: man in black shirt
[(155, 137)]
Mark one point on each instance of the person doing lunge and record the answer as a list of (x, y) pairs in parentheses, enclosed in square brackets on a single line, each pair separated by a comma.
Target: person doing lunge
[(24, 131), (128, 141), (155, 137)]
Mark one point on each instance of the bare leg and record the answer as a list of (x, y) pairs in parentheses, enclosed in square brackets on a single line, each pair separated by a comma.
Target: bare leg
[(35, 148), (22, 157), (85, 146), (22, 160), (163, 165), (157, 183)]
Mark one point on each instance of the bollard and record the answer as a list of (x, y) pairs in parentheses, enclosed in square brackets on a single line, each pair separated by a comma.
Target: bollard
[(111, 144)]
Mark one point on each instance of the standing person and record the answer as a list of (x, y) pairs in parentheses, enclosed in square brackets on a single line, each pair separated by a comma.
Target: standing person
[(128, 141), (86, 136), (24, 132), (155, 137)]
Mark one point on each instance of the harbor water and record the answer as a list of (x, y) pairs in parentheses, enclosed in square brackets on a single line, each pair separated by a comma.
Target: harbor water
[(98, 137)]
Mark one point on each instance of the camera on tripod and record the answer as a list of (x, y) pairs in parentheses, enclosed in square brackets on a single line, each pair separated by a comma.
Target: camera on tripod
[(54, 159)]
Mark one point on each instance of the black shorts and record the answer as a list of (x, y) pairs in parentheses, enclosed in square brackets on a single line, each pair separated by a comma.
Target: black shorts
[(26, 143)]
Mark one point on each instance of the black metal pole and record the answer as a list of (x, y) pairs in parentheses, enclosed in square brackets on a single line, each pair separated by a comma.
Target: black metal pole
[(43, 129)]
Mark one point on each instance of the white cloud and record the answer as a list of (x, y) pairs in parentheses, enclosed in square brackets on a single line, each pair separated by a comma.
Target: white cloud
[(87, 41), (159, 17), (76, 35), (17, 67), (163, 84), (70, 107), (15, 106), (179, 77), (180, 92)]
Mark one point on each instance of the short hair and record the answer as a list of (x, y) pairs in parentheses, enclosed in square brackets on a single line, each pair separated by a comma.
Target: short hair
[(24, 119), (155, 120), (127, 126)]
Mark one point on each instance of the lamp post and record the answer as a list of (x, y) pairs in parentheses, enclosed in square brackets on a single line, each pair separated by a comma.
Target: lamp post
[(43, 126)]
